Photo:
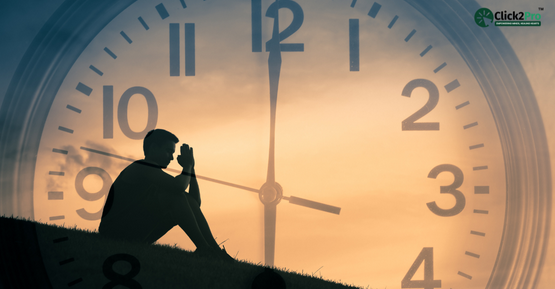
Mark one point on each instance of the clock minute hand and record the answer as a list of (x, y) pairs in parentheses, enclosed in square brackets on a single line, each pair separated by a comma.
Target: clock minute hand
[(274, 70)]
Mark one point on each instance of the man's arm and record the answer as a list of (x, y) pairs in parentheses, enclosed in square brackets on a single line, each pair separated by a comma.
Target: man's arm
[(187, 177), (194, 190)]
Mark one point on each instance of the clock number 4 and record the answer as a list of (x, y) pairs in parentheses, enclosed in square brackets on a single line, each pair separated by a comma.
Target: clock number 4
[(426, 256), (410, 122), (123, 118), (272, 12)]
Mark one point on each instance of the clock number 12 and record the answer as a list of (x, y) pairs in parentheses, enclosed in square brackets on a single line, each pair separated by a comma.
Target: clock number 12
[(272, 12)]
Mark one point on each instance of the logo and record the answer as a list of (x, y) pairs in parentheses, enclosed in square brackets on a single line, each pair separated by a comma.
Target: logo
[(484, 17)]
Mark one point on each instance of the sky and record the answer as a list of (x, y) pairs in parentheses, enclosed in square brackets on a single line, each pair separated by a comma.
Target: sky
[(21, 21)]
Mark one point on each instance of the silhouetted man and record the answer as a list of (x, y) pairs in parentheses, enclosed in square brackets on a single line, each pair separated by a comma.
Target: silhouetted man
[(145, 202)]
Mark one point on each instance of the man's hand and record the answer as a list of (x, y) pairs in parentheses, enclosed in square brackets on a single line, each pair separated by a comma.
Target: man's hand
[(186, 159)]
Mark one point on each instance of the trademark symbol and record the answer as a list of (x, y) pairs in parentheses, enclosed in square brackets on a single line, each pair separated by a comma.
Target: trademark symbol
[(540, 8)]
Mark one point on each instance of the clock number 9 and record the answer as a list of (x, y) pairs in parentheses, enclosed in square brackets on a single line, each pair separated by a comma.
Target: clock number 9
[(451, 189), (123, 120), (409, 123), (79, 187), (272, 12), (426, 256)]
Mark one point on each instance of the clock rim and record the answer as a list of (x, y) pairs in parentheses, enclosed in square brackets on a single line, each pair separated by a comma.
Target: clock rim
[(507, 75), (520, 257)]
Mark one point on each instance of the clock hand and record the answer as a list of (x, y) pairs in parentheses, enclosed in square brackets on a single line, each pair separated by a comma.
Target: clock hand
[(174, 170), (107, 154), (312, 204), (292, 199), (270, 193), (274, 69)]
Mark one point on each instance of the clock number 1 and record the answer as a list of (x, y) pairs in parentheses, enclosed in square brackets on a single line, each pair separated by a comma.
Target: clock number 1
[(426, 256), (272, 12), (123, 119)]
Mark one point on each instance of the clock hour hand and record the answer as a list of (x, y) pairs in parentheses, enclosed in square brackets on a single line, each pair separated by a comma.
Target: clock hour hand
[(312, 204)]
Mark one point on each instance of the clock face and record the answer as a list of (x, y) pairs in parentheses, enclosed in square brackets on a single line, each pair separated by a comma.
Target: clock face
[(377, 114)]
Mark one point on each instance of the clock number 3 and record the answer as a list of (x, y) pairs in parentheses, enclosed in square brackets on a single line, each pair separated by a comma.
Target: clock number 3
[(426, 256), (272, 12), (409, 123), (451, 189)]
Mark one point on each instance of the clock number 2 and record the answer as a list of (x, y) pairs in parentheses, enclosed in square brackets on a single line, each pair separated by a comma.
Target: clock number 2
[(451, 189), (426, 256), (80, 188), (272, 12), (123, 120), (409, 123)]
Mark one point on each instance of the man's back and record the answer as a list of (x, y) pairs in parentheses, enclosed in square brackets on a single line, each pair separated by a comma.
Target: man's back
[(132, 200)]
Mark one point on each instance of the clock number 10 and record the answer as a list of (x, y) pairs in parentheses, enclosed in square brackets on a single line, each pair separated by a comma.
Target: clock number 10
[(272, 12), (123, 119)]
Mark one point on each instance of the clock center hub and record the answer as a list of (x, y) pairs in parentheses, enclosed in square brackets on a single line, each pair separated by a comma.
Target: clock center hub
[(271, 193)]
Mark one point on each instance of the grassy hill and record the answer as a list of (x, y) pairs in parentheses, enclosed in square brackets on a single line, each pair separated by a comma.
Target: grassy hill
[(35, 255)]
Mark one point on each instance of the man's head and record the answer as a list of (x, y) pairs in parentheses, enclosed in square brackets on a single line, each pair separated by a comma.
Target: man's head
[(159, 146)]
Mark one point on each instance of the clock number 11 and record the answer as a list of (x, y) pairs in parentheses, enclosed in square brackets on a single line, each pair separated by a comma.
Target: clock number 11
[(272, 12), (189, 49)]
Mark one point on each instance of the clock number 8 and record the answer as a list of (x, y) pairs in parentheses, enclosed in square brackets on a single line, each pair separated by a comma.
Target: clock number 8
[(79, 187), (272, 12), (426, 256), (123, 119), (125, 280), (451, 189)]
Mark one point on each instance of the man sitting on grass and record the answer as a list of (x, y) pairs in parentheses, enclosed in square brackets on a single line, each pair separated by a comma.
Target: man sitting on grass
[(145, 202)]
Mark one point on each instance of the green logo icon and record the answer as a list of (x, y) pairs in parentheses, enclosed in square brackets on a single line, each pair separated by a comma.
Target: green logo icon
[(481, 15)]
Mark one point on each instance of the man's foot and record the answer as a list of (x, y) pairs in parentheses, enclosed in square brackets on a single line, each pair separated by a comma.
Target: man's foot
[(214, 253), (206, 252), (225, 256)]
